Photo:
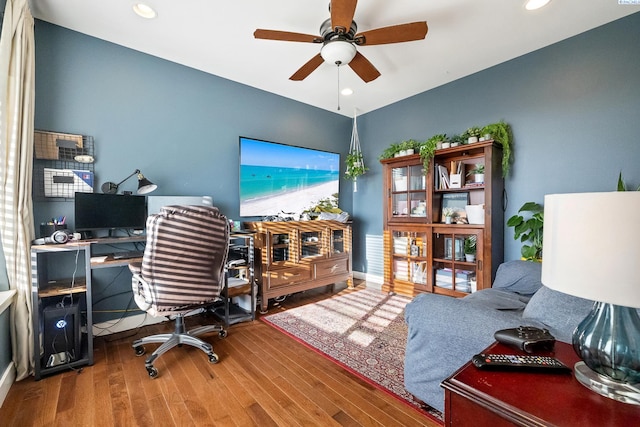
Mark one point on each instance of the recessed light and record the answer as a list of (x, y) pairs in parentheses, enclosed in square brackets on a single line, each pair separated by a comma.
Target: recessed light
[(347, 91), (144, 10), (535, 4)]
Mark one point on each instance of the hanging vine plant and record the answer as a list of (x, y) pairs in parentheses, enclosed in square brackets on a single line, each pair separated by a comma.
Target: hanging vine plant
[(501, 133), (428, 150), (355, 165)]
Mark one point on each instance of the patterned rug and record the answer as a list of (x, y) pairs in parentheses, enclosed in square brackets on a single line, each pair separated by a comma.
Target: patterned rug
[(362, 331)]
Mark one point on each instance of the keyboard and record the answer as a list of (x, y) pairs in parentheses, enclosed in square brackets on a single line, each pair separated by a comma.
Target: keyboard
[(128, 254)]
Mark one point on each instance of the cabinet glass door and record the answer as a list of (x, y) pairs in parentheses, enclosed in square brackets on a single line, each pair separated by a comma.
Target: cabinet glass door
[(454, 260), (409, 198), (280, 247), (311, 242), (337, 241), (409, 256)]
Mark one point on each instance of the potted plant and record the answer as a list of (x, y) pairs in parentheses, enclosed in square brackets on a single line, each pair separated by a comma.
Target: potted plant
[(355, 165), (470, 248), (501, 133), (477, 172), (472, 134), (428, 149), (448, 215), (390, 151), (457, 140), (529, 230), (408, 147)]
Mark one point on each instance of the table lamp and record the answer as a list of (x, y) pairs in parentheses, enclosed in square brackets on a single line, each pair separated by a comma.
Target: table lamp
[(591, 247), (144, 185)]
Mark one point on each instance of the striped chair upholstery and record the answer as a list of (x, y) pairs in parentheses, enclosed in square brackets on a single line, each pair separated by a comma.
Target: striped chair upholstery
[(184, 259), (183, 268)]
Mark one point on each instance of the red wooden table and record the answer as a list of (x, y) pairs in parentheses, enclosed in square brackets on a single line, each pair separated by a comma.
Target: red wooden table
[(475, 397)]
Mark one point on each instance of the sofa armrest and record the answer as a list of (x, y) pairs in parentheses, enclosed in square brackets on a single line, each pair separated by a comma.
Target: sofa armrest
[(443, 334)]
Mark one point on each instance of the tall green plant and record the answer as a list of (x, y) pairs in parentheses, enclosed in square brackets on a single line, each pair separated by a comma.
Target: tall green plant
[(621, 185), (501, 133), (529, 230)]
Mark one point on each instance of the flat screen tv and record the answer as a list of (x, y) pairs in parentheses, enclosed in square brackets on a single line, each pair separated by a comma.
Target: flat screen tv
[(95, 211), (277, 178)]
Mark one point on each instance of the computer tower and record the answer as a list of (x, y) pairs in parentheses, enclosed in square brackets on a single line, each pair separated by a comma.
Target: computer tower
[(61, 334)]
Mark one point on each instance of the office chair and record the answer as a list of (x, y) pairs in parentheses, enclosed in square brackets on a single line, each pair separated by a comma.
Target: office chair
[(183, 268)]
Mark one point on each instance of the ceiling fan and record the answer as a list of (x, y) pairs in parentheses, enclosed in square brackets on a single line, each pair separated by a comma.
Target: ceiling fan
[(339, 38)]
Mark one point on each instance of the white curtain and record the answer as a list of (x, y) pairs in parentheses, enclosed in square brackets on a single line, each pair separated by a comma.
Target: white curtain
[(17, 93)]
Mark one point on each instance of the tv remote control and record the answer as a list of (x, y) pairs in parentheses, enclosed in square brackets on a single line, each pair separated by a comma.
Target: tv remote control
[(512, 362)]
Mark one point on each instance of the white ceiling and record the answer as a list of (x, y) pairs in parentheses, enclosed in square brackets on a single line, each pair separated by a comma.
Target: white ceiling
[(465, 36)]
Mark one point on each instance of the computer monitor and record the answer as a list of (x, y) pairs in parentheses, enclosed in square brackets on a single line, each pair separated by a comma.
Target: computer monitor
[(95, 211), (154, 203)]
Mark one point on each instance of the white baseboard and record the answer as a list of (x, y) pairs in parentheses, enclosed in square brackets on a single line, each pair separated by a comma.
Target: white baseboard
[(372, 281), (139, 320), (125, 324), (7, 380)]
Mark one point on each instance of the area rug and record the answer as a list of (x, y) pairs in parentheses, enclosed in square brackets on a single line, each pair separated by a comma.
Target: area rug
[(363, 331)]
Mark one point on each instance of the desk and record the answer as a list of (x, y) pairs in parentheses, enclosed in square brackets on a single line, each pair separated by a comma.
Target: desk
[(55, 285), (474, 397)]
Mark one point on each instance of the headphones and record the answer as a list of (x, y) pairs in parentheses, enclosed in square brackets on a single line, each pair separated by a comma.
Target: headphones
[(58, 236)]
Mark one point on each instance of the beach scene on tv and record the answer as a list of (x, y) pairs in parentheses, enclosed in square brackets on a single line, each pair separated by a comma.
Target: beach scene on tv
[(276, 178)]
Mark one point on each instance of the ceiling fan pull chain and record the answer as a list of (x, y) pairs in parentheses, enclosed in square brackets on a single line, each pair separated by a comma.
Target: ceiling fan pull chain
[(338, 87)]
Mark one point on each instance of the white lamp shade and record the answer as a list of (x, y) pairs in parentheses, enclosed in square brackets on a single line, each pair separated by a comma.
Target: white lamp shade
[(338, 52), (591, 246)]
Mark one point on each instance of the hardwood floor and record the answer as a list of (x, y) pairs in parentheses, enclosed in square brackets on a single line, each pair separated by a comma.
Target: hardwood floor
[(264, 378)]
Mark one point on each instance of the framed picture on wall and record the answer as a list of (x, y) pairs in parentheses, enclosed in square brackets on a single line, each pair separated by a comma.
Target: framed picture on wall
[(455, 201)]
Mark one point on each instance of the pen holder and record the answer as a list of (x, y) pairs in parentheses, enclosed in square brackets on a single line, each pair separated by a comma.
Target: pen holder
[(46, 230)]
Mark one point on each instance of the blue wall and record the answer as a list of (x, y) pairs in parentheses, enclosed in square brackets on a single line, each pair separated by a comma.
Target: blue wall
[(573, 107), (179, 126)]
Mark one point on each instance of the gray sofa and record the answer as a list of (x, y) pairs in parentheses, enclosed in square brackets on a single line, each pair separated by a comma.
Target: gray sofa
[(444, 332)]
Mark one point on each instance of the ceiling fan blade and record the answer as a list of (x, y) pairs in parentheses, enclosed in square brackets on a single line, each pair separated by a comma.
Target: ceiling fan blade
[(286, 36), (342, 12), (394, 34), (363, 68), (307, 68)]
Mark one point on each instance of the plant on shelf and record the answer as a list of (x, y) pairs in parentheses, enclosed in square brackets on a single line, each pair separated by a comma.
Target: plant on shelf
[(477, 172), (428, 149), (472, 134), (390, 151), (409, 146), (458, 139), (470, 247), (448, 214), (355, 165), (328, 204), (529, 230), (501, 133), (477, 169)]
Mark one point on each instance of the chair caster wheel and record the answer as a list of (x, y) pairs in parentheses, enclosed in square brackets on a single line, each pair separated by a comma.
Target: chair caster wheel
[(223, 333), (140, 350), (213, 358), (152, 371)]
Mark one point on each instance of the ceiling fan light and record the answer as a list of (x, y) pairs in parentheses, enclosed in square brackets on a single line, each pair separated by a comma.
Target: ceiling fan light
[(535, 4), (338, 52), (143, 10)]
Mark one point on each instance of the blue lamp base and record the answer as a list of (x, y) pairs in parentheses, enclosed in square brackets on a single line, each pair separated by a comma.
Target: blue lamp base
[(608, 342), (601, 384)]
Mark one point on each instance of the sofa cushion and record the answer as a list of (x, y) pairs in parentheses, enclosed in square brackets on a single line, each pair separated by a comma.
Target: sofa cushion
[(560, 312), (519, 276), (497, 299)]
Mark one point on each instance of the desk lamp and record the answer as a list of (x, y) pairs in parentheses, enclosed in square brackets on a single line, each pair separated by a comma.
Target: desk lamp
[(591, 248), (144, 185)]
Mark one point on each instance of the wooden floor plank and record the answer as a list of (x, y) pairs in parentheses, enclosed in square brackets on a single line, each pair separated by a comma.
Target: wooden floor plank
[(264, 378)]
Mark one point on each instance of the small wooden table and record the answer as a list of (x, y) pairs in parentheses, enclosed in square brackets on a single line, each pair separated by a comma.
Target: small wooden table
[(475, 397)]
